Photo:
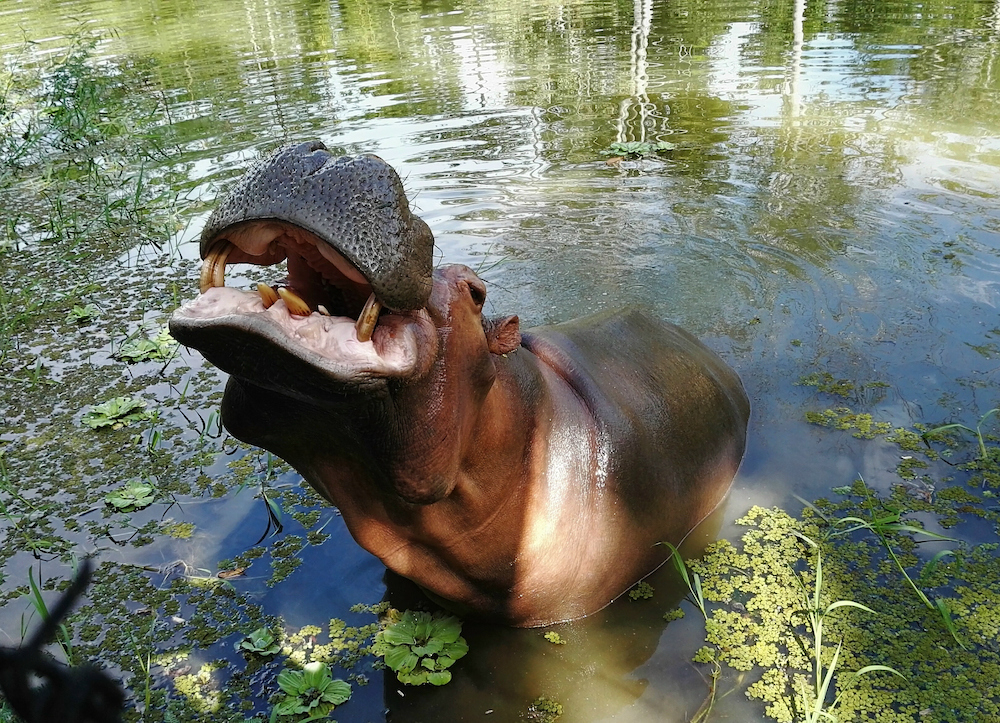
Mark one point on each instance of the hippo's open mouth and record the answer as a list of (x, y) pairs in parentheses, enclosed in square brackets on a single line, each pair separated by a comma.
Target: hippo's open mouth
[(358, 272)]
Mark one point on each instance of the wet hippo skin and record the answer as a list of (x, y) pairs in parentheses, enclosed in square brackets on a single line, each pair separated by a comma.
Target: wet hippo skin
[(526, 477)]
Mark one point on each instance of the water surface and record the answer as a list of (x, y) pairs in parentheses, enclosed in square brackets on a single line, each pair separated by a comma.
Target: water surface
[(830, 205)]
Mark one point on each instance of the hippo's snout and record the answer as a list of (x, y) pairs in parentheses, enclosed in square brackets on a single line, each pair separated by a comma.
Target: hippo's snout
[(349, 313), (359, 231)]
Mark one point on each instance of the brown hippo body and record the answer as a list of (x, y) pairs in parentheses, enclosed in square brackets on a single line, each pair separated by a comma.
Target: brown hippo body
[(527, 479)]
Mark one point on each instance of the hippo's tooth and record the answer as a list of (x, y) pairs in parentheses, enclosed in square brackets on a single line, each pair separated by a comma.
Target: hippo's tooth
[(323, 310), (213, 268), (294, 302), (369, 317), (267, 295)]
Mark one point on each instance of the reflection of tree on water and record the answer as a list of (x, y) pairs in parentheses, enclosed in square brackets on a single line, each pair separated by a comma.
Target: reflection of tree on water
[(636, 113)]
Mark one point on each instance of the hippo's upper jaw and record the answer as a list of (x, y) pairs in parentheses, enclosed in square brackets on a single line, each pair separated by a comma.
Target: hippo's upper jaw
[(350, 310)]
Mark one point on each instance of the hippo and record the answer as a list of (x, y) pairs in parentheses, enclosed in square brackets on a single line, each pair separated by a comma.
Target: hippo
[(526, 477)]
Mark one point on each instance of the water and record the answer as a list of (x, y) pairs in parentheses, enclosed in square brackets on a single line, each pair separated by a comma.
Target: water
[(831, 205)]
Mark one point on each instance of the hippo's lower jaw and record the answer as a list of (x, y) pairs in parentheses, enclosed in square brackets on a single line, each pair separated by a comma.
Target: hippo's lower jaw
[(318, 315)]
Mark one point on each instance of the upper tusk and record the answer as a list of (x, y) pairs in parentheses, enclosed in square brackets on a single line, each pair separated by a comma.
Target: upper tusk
[(213, 268)]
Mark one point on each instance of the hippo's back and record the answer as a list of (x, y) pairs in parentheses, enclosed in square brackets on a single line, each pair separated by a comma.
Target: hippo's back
[(672, 413)]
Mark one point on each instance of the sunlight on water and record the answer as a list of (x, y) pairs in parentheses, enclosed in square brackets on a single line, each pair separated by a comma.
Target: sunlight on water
[(830, 203)]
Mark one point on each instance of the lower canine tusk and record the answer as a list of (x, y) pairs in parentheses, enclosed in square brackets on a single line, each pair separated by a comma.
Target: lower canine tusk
[(369, 317), (267, 295), (294, 302)]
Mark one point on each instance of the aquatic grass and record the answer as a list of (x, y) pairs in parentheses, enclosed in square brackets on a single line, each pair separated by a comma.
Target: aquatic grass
[(691, 579), (64, 639), (889, 522), (814, 705), (24, 522), (145, 663), (696, 596), (930, 434)]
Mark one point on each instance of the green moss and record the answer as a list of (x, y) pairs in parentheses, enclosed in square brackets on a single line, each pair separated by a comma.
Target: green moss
[(555, 638)]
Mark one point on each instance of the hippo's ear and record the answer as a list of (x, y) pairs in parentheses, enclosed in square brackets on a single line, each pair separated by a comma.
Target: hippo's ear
[(503, 335)]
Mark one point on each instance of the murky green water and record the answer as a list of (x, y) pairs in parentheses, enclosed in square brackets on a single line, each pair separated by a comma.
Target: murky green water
[(831, 204)]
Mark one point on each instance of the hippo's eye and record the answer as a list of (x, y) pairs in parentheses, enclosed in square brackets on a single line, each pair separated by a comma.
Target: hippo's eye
[(477, 292)]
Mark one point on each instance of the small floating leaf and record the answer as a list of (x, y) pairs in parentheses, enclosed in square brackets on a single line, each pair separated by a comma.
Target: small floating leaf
[(134, 495)]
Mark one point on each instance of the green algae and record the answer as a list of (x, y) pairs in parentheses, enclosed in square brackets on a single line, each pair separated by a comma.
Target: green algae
[(544, 710), (641, 591), (755, 596), (864, 426)]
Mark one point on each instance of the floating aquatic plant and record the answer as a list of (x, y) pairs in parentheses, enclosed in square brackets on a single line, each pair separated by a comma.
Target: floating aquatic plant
[(138, 349), (420, 647), (133, 495), (115, 413), (813, 701), (260, 642), (80, 314), (757, 621), (638, 149), (544, 710), (641, 591), (311, 693)]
